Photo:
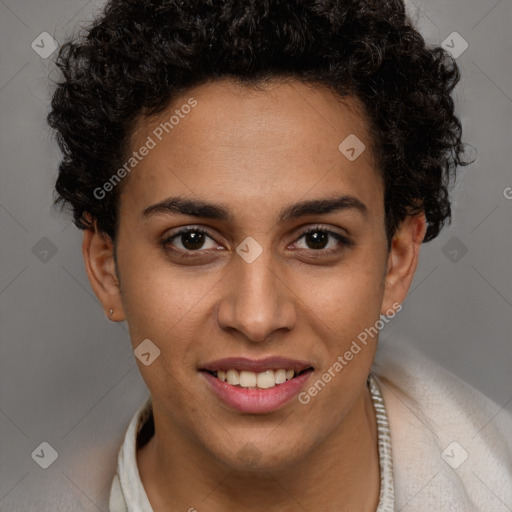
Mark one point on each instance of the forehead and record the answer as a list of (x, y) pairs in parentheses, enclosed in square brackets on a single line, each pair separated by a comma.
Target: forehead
[(247, 146)]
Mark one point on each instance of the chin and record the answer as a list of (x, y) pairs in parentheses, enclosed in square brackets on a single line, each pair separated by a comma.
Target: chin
[(259, 453)]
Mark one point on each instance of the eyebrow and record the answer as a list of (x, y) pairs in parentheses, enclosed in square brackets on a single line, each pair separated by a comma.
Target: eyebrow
[(204, 209)]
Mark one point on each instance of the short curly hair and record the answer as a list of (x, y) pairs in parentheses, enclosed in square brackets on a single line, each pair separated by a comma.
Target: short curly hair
[(137, 55)]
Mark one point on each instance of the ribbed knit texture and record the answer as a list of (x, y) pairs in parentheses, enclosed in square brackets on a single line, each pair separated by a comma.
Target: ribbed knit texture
[(387, 493)]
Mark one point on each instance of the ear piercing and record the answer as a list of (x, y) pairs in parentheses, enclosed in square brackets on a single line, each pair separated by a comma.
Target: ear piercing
[(110, 312)]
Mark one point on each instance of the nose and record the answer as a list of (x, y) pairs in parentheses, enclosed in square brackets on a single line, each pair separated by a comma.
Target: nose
[(256, 301)]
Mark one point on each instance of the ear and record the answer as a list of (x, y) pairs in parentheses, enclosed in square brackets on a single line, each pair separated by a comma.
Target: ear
[(98, 253), (403, 260)]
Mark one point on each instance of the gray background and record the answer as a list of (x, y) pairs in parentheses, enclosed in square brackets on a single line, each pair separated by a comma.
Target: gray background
[(68, 376)]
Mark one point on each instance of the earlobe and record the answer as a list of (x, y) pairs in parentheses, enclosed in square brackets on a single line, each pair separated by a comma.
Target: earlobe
[(403, 260), (98, 253)]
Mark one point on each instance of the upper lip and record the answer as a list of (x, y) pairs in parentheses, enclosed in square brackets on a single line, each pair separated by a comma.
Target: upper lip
[(256, 366)]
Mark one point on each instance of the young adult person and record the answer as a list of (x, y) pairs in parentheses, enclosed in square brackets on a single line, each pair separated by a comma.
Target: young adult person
[(254, 181)]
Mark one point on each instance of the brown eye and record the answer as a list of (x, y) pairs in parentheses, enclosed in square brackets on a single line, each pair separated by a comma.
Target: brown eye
[(191, 240), (317, 239)]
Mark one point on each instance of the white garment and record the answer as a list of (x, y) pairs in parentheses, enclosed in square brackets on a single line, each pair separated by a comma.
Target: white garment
[(451, 446)]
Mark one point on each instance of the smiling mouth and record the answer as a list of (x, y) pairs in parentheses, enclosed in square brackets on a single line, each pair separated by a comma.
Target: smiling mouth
[(261, 380)]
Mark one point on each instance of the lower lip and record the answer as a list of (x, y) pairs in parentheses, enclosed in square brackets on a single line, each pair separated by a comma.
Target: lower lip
[(257, 400)]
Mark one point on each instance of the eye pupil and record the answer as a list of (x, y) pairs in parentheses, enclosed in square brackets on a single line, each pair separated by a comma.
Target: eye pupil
[(319, 239), (192, 240)]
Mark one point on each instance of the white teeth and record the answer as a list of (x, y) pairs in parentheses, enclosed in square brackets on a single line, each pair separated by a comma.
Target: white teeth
[(263, 380), (233, 377), (247, 379), (266, 379), (280, 376)]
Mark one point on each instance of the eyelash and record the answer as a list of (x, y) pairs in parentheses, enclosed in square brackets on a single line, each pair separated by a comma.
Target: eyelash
[(345, 242)]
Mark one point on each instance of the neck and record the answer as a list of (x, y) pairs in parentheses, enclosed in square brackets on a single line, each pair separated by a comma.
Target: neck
[(341, 474)]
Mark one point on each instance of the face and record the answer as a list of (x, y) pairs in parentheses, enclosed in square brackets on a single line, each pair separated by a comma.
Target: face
[(276, 251)]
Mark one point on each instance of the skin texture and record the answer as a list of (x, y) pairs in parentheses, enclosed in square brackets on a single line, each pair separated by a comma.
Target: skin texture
[(256, 152)]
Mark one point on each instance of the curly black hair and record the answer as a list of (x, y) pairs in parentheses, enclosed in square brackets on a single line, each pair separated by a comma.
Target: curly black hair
[(137, 55)]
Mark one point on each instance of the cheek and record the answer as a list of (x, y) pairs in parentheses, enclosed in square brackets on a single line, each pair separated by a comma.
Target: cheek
[(349, 309), (350, 297), (160, 299), (166, 306)]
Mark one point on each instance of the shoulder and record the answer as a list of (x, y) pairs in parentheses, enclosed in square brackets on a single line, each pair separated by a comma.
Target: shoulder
[(451, 445)]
